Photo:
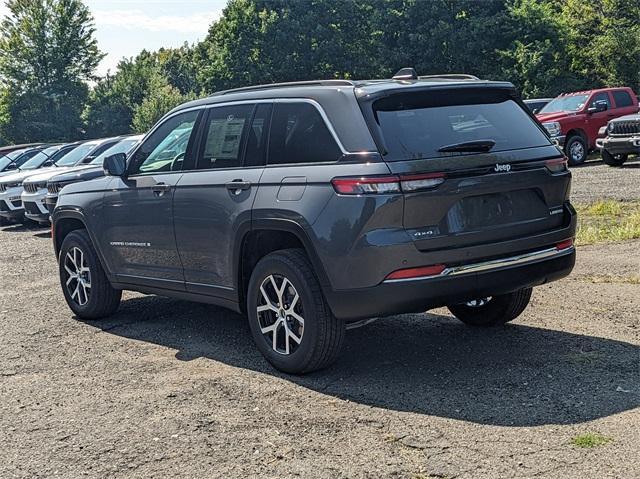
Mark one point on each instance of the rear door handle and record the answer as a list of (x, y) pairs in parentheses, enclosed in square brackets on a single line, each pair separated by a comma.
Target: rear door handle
[(160, 189), (237, 186)]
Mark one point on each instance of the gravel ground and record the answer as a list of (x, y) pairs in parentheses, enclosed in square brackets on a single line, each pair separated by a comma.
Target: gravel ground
[(594, 180), (167, 388)]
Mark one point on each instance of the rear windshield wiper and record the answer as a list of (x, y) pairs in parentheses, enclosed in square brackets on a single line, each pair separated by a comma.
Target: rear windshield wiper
[(476, 145)]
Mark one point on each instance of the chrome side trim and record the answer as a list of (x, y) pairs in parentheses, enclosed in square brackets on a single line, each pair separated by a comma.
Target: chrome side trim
[(494, 264)]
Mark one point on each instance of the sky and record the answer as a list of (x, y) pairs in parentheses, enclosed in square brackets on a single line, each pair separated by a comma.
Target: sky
[(126, 27)]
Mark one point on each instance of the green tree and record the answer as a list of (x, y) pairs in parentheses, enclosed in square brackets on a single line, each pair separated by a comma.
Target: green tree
[(130, 98), (604, 40), (113, 100), (162, 97), (47, 54)]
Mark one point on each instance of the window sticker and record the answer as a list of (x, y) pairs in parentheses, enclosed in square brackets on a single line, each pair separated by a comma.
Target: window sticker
[(223, 141)]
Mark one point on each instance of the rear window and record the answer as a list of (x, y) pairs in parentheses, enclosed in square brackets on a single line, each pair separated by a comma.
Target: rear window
[(622, 98), (415, 126)]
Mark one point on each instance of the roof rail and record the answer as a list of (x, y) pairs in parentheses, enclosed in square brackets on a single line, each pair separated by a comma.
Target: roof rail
[(449, 76), (286, 85)]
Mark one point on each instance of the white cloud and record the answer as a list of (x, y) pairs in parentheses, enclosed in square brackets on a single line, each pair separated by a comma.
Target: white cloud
[(195, 23)]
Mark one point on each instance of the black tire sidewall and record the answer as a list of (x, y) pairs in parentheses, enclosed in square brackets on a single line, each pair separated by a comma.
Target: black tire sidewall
[(611, 160), (80, 240), (295, 361)]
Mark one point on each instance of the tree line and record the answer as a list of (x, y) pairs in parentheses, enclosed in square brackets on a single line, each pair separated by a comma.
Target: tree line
[(48, 54)]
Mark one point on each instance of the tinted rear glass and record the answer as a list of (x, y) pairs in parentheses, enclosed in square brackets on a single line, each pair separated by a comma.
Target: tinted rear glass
[(622, 98), (417, 125)]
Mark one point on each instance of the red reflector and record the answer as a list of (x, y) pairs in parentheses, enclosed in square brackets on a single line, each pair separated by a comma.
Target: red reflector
[(564, 244), (417, 272), (556, 165)]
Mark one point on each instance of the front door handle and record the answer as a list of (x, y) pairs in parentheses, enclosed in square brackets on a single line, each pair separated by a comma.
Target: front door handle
[(237, 186), (160, 189)]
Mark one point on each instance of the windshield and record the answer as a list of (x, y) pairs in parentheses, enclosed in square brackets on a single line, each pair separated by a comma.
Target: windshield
[(39, 159), (122, 147), (4, 162), (565, 103), (428, 125), (9, 157), (76, 155)]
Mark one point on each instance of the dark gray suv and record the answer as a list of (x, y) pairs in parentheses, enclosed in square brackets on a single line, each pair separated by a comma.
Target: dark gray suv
[(311, 205)]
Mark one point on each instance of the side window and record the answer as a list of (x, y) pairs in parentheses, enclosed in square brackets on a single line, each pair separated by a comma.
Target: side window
[(300, 135), (224, 132), (166, 148), (622, 98), (602, 96), (255, 154)]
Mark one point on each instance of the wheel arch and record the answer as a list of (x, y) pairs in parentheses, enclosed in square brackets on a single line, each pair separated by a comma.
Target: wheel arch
[(580, 132), (63, 224), (267, 236)]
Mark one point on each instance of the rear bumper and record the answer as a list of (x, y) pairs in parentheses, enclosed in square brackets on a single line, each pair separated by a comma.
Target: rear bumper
[(620, 145), (478, 280)]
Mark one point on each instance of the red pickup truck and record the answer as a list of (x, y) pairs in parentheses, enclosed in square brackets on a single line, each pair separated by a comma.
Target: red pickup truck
[(573, 119)]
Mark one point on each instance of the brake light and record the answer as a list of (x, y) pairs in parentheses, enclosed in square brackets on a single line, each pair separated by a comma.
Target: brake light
[(566, 244), (420, 272), (557, 165), (368, 185)]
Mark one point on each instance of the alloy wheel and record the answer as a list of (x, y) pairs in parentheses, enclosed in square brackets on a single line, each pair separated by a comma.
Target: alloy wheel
[(78, 281), (280, 314), (576, 150), (478, 303)]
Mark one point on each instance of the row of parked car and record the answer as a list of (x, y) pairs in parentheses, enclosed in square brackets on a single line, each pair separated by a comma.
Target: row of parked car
[(606, 119), (32, 176)]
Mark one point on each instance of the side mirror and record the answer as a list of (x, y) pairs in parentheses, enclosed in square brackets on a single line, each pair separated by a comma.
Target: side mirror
[(115, 165), (12, 166), (598, 106), (48, 163)]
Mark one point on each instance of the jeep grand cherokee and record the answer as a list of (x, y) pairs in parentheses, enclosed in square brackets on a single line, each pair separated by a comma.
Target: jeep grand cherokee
[(310, 205)]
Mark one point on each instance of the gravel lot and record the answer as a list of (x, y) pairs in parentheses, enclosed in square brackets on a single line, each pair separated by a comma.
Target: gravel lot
[(167, 388), (594, 181)]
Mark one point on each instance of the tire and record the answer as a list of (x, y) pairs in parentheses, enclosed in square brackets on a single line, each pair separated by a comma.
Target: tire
[(613, 160), (283, 276), (98, 300), (498, 310), (576, 150)]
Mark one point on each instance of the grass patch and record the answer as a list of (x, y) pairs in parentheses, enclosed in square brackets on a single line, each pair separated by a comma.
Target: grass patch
[(590, 440), (607, 221)]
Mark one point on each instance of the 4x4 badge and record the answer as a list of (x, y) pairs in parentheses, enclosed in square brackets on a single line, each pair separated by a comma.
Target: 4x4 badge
[(500, 168)]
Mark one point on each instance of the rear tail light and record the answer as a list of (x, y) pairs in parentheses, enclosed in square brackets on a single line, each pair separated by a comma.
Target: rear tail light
[(367, 185), (421, 182), (566, 244), (372, 185), (417, 272), (557, 165)]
